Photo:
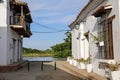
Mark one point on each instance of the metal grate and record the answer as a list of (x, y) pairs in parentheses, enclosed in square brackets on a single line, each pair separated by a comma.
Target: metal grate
[(1, 1), (105, 27)]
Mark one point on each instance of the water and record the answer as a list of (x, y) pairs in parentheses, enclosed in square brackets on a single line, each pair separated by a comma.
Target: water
[(43, 59)]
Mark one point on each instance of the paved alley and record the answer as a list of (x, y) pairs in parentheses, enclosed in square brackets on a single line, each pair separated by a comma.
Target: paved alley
[(35, 73)]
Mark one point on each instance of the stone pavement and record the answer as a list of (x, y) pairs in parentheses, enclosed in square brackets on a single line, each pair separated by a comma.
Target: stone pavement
[(82, 73), (64, 71)]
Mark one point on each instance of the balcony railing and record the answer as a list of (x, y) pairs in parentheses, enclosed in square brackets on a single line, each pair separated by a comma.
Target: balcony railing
[(16, 20), (19, 25)]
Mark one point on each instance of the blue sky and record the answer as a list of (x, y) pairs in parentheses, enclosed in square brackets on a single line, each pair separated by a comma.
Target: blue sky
[(56, 14)]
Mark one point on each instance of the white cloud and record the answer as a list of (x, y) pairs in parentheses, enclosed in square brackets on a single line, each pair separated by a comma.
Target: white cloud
[(61, 20), (55, 11), (50, 14), (37, 5)]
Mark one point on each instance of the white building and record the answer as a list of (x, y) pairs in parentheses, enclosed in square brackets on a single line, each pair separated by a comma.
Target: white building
[(15, 22), (99, 19)]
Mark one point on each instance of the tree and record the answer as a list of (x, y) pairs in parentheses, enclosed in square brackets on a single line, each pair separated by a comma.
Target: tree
[(63, 49)]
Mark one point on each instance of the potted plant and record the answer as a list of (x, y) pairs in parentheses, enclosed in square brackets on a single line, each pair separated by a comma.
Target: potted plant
[(75, 62), (101, 39), (88, 64), (113, 66), (70, 60), (98, 39), (78, 65), (95, 38), (82, 63), (115, 73)]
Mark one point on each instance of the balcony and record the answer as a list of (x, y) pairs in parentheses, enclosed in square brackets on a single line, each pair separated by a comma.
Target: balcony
[(19, 25)]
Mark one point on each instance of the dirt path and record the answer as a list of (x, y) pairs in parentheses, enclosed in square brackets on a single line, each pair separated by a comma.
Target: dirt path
[(35, 72)]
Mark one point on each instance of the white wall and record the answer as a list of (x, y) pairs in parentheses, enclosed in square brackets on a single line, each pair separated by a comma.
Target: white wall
[(82, 48), (74, 43), (13, 51), (116, 28), (78, 44), (92, 24), (6, 36), (3, 45), (116, 36), (3, 33), (3, 15)]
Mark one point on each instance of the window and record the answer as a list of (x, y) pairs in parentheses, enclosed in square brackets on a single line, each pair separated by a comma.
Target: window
[(105, 27)]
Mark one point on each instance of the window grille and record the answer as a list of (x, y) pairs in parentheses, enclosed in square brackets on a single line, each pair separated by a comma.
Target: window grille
[(105, 27), (1, 1)]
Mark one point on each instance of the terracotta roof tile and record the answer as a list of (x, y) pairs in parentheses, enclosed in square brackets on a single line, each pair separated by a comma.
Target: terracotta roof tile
[(17, 2)]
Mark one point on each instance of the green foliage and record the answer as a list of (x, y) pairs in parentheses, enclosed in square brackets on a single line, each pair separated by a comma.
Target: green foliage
[(98, 38), (37, 55), (63, 49), (113, 66), (29, 52), (88, 60), (80, 60), (70, 57), (59, 50), (85, 61), (95, 38)]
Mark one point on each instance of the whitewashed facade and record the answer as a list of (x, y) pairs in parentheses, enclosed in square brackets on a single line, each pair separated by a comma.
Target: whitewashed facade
[(15, 22), (97, 18)]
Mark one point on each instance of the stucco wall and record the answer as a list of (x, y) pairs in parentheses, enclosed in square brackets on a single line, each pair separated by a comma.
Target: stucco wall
[(3, 9), (3, 45), (116, 38), (6, 37), (93, 28), (74, 43), (3, 33), (116, 28), (13, 54)]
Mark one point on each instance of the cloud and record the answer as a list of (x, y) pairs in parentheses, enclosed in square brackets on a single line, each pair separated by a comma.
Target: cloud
[(55, 11), (42, 14), (67, 19), (37, 5), (58, 20)]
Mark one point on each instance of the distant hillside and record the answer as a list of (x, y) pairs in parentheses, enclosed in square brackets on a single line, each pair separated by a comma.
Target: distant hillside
[(58, 50), (29, 52)]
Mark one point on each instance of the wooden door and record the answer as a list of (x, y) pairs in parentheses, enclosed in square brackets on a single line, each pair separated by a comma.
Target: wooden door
[(110, 41)]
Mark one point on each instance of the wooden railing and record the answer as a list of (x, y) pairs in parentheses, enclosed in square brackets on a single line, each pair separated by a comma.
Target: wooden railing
[(20, 25), (16, 20)]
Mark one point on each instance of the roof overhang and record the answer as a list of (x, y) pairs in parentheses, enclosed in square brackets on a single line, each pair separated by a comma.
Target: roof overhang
[(25, 7), (101, 10), (16, 2), (76, 21), (20, 3)]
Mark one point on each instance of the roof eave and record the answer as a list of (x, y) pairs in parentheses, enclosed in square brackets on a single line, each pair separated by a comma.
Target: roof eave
[(76, 20)]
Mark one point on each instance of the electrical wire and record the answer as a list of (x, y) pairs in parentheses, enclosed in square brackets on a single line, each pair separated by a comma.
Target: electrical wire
[(51, 31), (44, 26)]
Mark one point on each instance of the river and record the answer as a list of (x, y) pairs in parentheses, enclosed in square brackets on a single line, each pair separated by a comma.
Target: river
[(43, 59)]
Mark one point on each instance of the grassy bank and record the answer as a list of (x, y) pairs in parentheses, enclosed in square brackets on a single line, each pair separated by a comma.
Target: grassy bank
[(37, 55)]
